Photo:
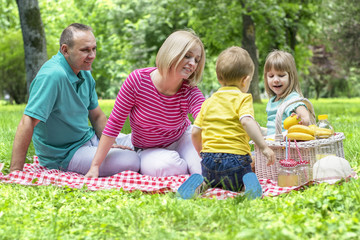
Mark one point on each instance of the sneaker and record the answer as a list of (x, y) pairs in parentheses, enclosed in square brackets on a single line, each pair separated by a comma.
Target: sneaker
[(253, 188), (190, 188)]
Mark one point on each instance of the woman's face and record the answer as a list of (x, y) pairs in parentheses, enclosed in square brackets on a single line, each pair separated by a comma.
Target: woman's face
[(189, 63)]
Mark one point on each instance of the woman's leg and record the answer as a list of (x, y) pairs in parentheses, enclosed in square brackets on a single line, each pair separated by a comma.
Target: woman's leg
[(116, 161), (187, 151), (160, 162)]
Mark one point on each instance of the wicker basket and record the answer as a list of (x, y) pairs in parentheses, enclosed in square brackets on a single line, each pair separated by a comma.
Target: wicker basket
[(307, 149)]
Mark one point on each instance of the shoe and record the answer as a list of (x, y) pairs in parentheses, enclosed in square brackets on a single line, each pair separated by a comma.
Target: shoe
[(253, 188), (189, 188)]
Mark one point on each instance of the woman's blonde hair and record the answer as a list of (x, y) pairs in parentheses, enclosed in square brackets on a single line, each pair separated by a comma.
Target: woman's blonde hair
[(174, 49), (283, 62), (233, 64)]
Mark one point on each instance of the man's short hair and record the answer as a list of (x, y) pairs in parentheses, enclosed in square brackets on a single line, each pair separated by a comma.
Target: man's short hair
[(68, 34)]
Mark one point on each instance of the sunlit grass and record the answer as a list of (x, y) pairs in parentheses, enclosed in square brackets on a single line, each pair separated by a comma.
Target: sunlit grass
[(48, 212)]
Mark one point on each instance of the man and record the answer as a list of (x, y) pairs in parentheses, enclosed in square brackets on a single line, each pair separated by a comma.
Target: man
[(62, 99)]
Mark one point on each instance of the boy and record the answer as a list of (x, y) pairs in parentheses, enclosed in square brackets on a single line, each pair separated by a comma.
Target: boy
[(223, 128)]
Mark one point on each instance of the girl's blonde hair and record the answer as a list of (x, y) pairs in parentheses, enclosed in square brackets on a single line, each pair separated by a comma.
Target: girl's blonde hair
[(174, 49), (283, 62), (233, 64)]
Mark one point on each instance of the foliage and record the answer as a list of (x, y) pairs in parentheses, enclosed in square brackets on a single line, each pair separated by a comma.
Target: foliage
[(129, 33), (12, 66), (318, 212), (338, 34)]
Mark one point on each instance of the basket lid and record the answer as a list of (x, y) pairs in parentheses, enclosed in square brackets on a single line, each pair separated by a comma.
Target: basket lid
[(288, 163)]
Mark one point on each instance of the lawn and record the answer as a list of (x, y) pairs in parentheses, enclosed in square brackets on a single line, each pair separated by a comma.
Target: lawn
[(318, 212)]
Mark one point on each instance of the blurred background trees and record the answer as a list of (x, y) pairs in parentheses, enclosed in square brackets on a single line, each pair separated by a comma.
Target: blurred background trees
[(323, 36)]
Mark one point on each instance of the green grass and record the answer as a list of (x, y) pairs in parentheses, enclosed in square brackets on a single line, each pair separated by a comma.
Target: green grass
[(318, 212)]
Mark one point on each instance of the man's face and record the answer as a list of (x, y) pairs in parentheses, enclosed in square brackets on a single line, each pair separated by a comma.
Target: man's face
[(83, 52)]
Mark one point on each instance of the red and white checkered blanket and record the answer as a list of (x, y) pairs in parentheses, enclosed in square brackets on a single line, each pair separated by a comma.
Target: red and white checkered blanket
[(34, 174)]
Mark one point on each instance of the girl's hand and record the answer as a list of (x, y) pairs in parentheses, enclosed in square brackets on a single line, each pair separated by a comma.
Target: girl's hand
[(303, 114)]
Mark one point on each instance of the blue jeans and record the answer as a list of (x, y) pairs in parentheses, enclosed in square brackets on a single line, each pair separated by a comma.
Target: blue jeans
[(225, 170)]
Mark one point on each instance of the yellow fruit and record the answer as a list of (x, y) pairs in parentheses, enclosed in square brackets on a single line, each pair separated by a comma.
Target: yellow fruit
[(313, 127), (323, 132), (300, 136), (301, 129), (290, 121)]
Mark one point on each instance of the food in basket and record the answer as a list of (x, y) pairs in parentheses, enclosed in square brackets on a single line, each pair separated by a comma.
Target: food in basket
[(323, 132), (290, 121), (300, 136), (301, 129)]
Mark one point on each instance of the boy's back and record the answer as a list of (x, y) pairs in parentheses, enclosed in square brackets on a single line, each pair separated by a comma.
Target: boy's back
[(219, 120)]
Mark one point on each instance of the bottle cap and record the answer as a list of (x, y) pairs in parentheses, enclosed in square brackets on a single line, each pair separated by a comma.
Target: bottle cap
[(323, 117), (303, 162)]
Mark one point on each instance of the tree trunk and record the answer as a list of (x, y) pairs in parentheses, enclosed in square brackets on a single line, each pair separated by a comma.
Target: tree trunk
[(248, 43), (33, 37)]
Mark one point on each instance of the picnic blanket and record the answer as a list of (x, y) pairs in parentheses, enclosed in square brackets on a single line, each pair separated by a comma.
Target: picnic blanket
[(34, 174)]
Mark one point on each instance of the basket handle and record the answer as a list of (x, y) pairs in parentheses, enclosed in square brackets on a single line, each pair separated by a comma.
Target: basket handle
[(281, 110)]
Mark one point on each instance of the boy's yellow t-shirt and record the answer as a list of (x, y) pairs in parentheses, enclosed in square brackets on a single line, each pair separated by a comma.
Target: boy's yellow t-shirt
[(219, 120)]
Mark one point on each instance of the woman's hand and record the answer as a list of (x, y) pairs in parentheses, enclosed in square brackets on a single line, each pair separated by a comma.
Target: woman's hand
[(93, 172)]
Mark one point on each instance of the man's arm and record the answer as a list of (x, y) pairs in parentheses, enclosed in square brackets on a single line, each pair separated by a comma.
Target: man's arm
[(98, 120), (22, 141)]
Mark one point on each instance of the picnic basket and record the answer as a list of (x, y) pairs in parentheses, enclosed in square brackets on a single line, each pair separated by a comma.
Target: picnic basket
[(308, 149)]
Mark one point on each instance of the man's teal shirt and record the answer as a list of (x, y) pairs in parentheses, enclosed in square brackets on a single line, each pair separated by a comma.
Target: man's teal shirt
[(61, 100)]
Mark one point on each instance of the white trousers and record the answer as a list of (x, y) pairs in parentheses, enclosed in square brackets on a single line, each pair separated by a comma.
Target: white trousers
[(116, 161), (177, 159)]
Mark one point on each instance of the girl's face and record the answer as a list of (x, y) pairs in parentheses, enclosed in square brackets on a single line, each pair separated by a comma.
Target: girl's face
[(189, 63), (278, 81)]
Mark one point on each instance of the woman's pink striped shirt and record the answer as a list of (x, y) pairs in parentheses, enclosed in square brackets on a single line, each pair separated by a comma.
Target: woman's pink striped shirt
[(156, 120)]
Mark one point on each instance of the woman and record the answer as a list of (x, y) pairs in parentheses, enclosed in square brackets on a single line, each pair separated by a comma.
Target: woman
[(158, 101)]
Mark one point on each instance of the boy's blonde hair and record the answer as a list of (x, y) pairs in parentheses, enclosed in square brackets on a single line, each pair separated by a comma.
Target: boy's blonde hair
[(174, 49), (233, 64), (283, 62)]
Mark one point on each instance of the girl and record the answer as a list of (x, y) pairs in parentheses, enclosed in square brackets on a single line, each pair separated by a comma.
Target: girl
[(282, 84)]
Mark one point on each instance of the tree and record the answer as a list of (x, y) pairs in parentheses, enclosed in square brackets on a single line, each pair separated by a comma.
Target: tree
[(33, 36), (248, 42)]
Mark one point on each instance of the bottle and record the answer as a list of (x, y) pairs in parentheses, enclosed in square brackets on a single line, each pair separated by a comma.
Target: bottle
[(304, 172), (325, 150), (288, 175), (324, 129)]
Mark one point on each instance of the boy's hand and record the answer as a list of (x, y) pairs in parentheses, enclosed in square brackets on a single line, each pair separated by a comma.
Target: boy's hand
[(270, 155)]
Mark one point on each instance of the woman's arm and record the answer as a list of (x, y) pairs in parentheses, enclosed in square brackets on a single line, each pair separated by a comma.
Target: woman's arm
[(196, 139), (101, 152)]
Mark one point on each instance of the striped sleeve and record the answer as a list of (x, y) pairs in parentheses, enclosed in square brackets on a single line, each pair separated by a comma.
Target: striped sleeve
[(123, 104), (196, 99)]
